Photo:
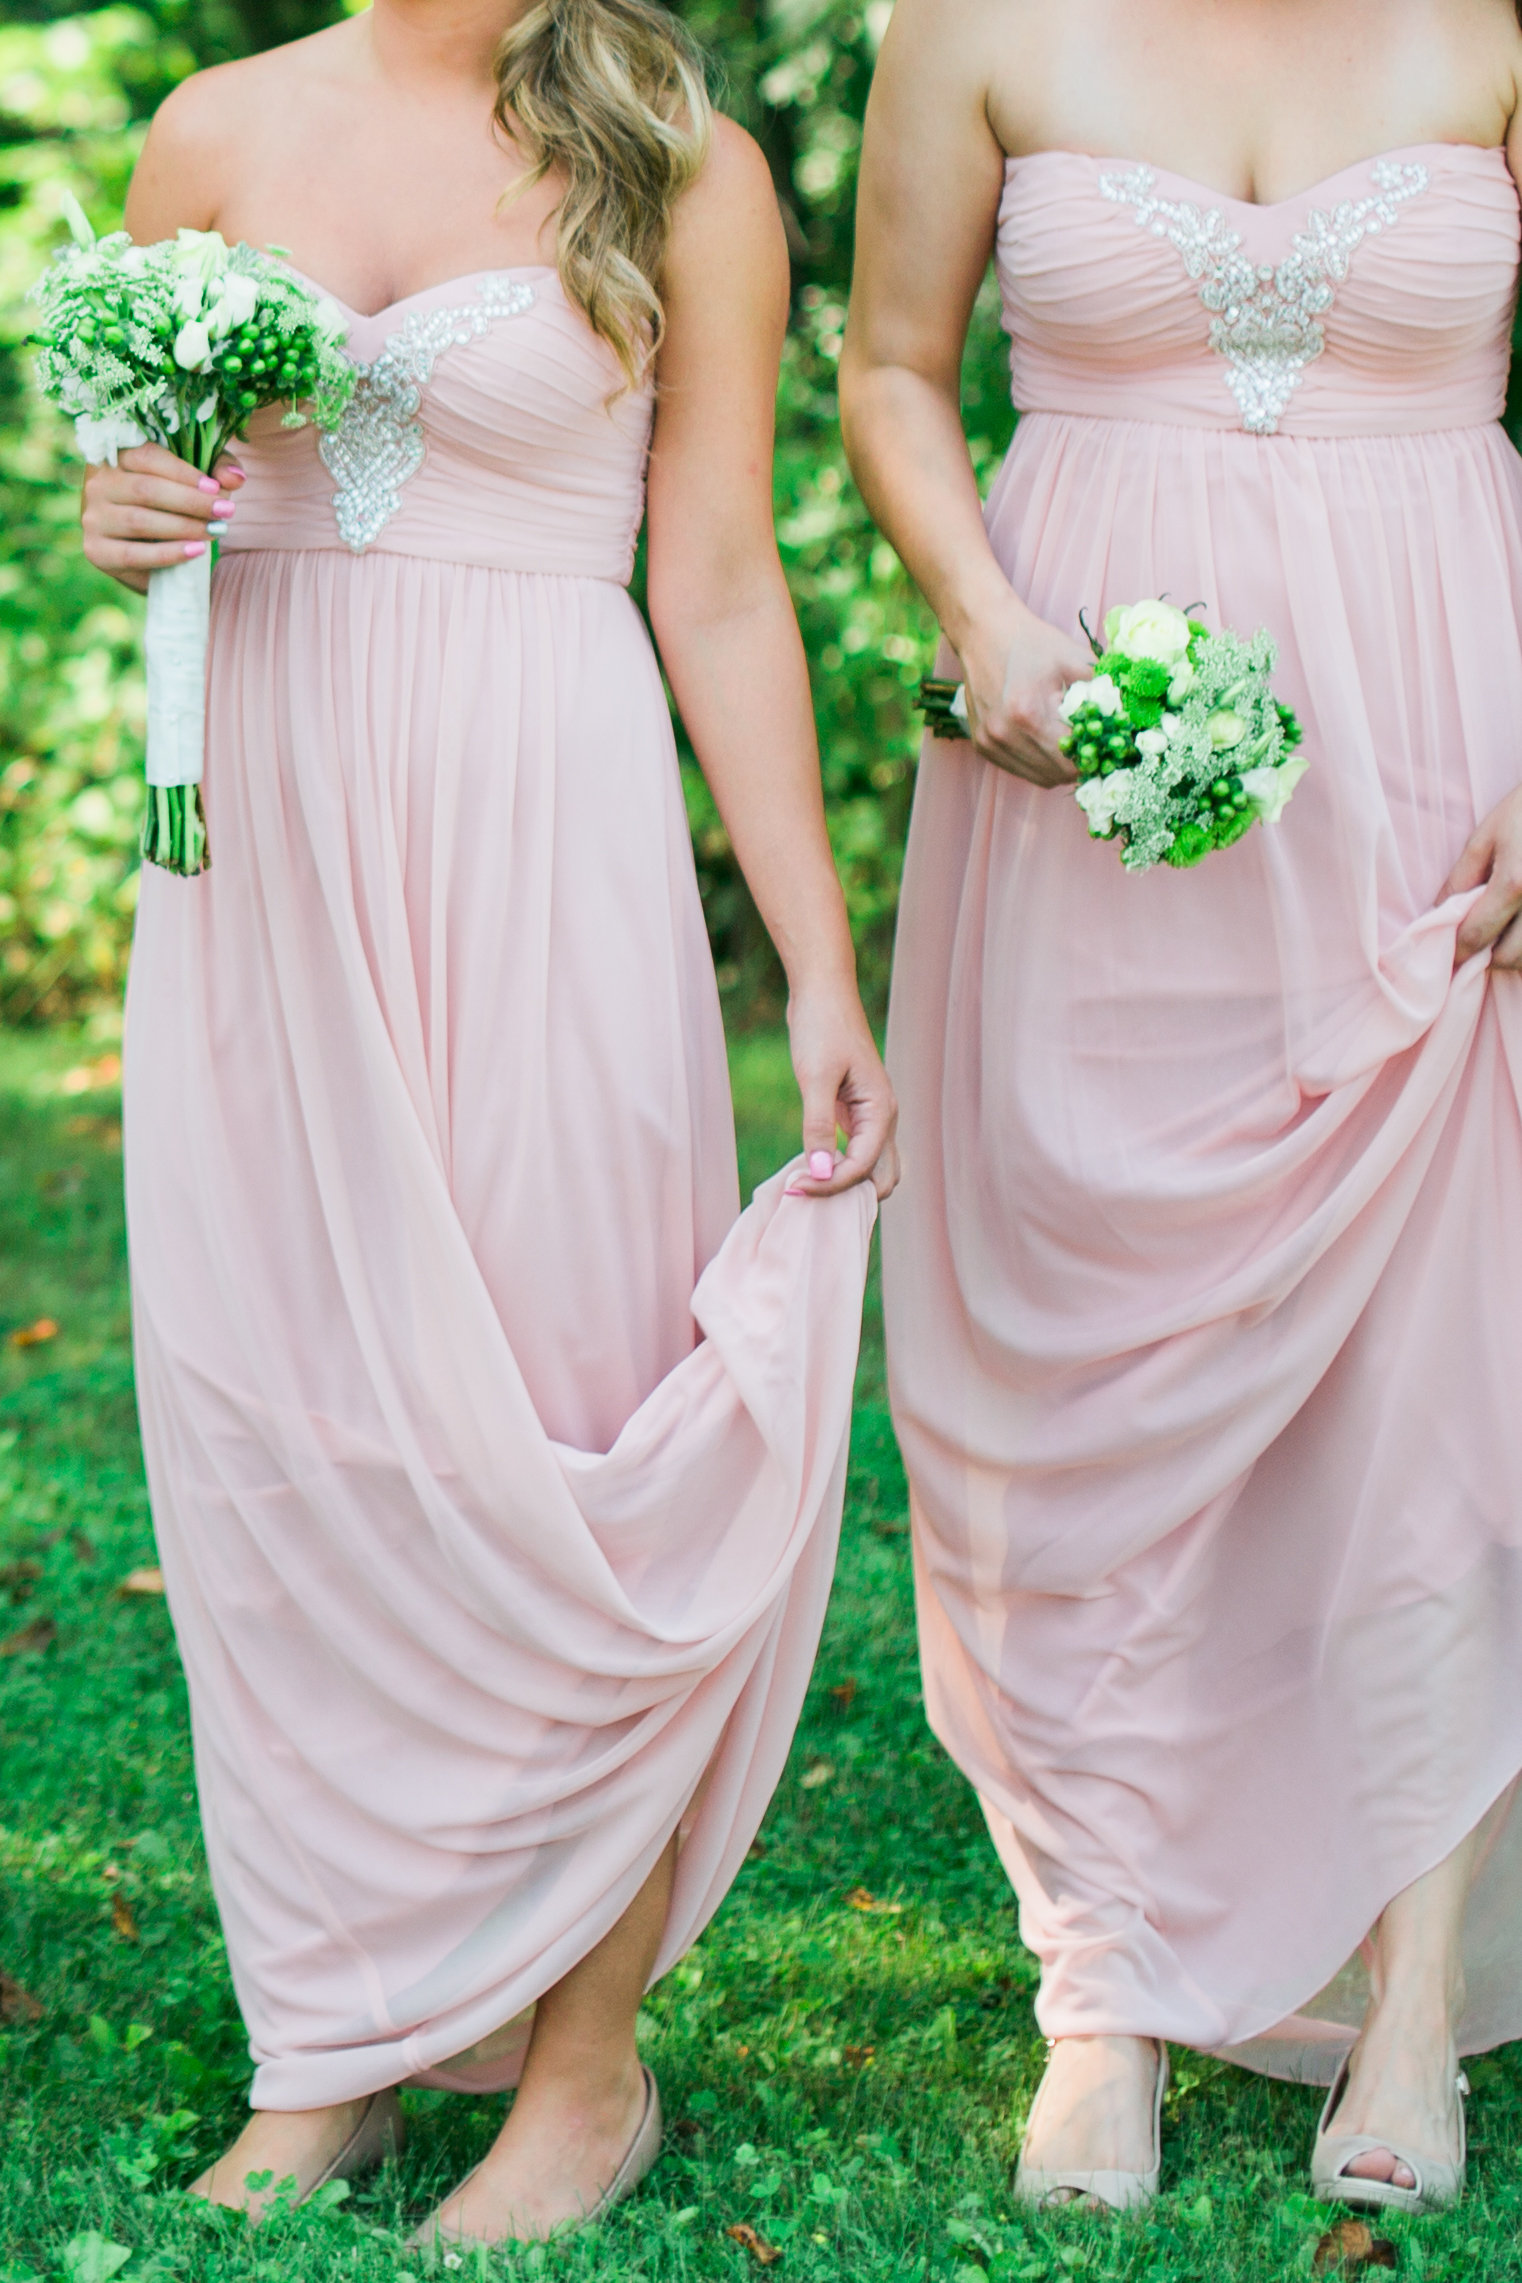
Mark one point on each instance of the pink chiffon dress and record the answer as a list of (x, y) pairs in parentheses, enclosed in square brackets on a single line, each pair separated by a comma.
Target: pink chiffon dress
[(1202, 1286), (496, 1465)]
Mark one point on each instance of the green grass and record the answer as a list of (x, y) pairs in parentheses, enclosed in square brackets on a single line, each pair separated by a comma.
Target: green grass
[(848, 2082)]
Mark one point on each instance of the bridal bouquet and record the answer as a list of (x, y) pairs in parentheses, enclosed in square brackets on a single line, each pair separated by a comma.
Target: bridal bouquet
[(177, 344), (1179, 742)]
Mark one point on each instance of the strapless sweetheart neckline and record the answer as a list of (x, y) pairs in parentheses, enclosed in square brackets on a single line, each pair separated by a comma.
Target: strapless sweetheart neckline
[(1260, 205), (405, 300)]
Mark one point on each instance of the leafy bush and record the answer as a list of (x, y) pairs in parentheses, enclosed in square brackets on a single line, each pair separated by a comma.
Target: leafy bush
[(74, 94)]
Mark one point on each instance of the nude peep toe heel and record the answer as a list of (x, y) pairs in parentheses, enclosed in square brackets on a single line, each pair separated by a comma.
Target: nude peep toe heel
[(643, 2151), (1119, 2191), (1437, 2185)]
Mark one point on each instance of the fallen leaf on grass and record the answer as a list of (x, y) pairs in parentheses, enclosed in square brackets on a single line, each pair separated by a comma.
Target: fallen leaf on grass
[(859, 2056), (123, 1924), (890, 1529), (1349, 2247), (760, 2250), (39, 1635), (149, 1580), (820, 1773), (17, 2004), (35, 1335), (844, 1694), (859, 1899), (90, 1077), (18, 1578)]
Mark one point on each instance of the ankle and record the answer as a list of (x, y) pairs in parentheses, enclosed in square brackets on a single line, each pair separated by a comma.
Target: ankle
[(588, 2092)]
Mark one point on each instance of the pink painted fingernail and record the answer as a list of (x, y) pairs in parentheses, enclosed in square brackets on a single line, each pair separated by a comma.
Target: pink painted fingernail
[(795, 1193), (821, 1164), (195, 547), (225, 506), (208, 483)]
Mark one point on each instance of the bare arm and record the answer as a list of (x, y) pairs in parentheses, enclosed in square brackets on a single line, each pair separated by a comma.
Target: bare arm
[(932, 172), (724, 622)]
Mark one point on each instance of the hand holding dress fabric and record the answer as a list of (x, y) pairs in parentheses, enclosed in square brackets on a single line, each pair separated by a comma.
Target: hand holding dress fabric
[(1492, 861)]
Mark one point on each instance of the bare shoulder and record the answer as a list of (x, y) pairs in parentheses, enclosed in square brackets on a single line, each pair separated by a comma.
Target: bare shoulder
[(950, 43), (204, 124), (727, 226), (733, 190), (233, 98)]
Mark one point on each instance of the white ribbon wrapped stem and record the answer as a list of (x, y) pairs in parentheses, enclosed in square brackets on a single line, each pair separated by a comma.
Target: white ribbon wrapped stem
[(179, 612)]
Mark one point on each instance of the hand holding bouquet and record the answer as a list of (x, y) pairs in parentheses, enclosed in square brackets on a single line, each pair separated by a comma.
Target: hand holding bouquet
[(177, 344), (1179, 743)]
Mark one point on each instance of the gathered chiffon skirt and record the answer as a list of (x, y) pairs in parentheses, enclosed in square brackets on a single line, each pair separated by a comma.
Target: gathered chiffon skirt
[(1202, 1288), (496, 1466)]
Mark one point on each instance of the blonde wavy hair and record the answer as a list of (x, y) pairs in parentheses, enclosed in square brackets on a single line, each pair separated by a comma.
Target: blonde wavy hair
[(612, 94)]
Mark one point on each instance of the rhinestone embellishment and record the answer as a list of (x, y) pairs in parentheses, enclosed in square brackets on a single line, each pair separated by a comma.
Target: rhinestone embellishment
[(378, 445), (1265, 318)]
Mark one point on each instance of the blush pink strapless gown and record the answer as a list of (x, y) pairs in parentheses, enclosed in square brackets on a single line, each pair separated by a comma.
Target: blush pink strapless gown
[(488, 1572), (1203, 1285)]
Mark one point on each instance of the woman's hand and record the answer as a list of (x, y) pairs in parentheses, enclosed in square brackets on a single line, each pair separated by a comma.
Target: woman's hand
[(1492, 857), (843, 1083), (1015, 670), (153, 510)]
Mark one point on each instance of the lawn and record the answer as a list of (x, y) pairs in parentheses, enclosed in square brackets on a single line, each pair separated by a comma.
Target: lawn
[(847, 2055)]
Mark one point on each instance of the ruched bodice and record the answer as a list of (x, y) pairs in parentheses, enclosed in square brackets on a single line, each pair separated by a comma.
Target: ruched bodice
[(1376, 302), (490, 426)]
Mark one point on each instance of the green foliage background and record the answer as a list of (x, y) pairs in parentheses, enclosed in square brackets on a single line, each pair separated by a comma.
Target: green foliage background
[(75, 93)]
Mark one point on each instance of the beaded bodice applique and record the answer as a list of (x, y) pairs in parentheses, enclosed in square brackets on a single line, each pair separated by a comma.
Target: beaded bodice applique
[(1266, 317), (379, 444)]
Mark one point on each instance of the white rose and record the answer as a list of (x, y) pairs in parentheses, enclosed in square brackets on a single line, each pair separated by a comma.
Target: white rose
[(1226, 729), (1152, 742), (101, 439), (1102, 693), (236, 299), (330, 323), (192, 348), (1269, 789), (1154, 630), (199, 254), (1099, 798)]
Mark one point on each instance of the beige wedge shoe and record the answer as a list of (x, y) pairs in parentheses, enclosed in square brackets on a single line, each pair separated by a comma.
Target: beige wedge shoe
[(644, 2148), (1437, 2185), (1118, 2191)]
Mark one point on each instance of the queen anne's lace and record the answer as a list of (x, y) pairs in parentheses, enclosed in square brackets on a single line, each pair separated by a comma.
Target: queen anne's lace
[(1265, 319), (380, 442)]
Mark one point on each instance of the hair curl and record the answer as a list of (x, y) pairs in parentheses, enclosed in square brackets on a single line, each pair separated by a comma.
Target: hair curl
[(612, 94)]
